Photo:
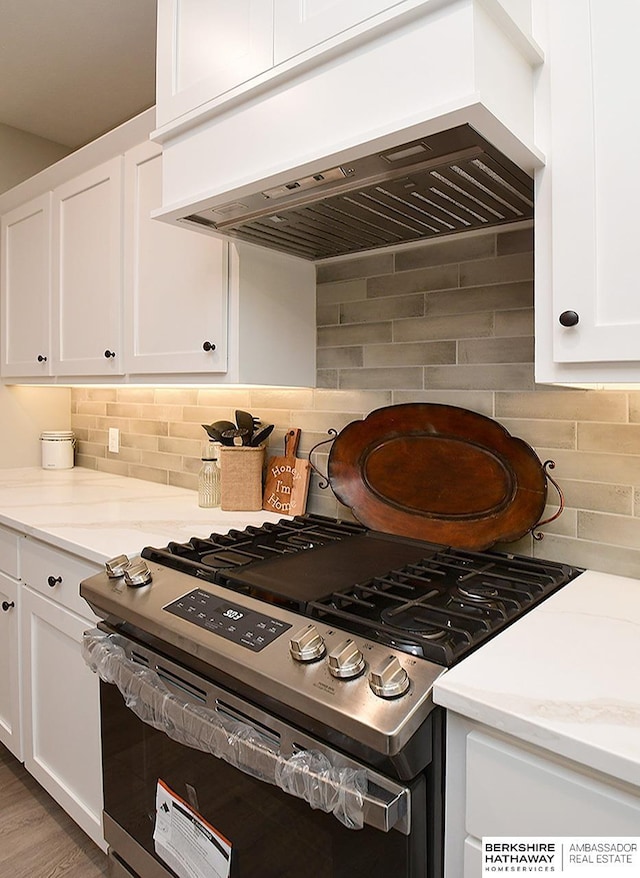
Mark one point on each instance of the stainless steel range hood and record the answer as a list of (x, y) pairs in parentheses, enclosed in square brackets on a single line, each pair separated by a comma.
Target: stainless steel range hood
[(444, 183)]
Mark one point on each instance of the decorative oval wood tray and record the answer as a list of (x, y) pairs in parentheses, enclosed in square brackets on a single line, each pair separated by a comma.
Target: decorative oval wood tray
[(438, 473)]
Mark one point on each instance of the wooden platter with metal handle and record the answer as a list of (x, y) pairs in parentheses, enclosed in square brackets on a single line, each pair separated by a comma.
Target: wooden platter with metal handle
[(438, 473)]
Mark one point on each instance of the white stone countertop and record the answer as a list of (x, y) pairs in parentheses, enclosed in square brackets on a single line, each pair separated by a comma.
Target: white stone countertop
[(98, 515), (564, 677)]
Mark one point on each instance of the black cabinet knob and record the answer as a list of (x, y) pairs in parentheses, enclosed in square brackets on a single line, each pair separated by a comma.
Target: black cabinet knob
[(207, 346), (41, 358), (109, 354), (6, 606), (52, 581), (569, 318)]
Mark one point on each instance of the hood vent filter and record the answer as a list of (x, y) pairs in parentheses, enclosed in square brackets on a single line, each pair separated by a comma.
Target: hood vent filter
[(450, 182)]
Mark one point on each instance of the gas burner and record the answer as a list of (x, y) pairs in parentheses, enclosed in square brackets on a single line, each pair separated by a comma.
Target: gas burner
[(483, 592), (412, 619)]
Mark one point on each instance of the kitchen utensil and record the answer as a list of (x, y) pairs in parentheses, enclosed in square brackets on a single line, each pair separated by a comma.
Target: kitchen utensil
[(287, 479), (212, 433), (235, 436), (215, 430), (438, 473), (261, 435), (221, 426), (245, 421)]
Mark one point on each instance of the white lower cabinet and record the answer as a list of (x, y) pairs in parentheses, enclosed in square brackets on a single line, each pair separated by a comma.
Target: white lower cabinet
[(10, 726), (10, 710), (500, 787), (60, 695)]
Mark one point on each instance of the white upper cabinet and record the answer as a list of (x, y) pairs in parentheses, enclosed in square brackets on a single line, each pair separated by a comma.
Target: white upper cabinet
[(587, 302), (87, 273), (26, 281), (302, 24), (175, 282), (208, 47)]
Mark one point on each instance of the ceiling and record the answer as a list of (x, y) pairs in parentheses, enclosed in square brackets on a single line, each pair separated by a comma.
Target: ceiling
[(70, 70)]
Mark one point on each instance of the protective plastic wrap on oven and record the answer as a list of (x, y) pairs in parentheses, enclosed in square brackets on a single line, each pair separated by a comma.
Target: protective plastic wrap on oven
[(308, 774)]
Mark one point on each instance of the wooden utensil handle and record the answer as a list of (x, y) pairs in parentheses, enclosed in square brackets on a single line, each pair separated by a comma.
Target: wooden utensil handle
[(291, 442)]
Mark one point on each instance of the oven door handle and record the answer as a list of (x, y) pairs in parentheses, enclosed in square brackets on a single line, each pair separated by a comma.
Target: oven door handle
[(387, 810), (351, 792)]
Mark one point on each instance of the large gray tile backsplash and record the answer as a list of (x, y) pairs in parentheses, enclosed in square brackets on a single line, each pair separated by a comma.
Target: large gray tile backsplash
[(449, 321)]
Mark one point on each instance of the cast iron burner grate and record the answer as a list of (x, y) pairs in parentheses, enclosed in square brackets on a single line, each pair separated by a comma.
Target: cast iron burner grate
[(445, 606)]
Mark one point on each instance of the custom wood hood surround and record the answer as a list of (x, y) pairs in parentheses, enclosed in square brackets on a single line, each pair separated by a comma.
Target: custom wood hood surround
[(401, 78)]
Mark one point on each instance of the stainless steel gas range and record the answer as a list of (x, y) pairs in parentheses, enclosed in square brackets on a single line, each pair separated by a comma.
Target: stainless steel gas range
[(271, 687)]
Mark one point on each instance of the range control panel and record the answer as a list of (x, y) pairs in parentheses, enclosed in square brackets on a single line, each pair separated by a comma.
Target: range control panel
[(238, 624)]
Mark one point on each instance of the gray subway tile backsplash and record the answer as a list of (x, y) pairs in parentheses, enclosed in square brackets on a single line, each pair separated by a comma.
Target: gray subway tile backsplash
[(488, 297), (439, 277), (471, 346), (388, 308)]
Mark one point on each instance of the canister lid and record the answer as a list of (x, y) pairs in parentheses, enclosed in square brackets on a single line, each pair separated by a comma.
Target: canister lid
[(57, 435)]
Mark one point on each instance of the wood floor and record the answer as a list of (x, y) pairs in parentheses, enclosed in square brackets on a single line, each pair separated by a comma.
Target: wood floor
[(37, 838)]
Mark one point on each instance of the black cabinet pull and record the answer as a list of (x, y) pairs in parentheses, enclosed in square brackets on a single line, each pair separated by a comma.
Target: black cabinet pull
[(41, 358), (52, 581), (109, 354), (569, 318), (207, 346), (6, 606)]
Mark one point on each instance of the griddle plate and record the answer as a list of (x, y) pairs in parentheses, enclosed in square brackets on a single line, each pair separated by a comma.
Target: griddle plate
[(315, 574)]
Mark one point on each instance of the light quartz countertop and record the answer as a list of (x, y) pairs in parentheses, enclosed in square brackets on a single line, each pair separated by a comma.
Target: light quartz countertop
[(98, 516), (564, 677)]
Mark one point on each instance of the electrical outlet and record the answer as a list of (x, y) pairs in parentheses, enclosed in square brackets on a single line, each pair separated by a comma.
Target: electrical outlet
[(114, 440)]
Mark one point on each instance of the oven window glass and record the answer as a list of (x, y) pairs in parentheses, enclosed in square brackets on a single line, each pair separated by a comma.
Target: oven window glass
[(273, 834)]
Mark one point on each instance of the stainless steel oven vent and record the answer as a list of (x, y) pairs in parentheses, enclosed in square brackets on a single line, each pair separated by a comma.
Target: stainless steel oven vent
[(449, 182)]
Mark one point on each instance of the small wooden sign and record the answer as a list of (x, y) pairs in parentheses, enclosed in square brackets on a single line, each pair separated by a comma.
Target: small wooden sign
[(287, 479)]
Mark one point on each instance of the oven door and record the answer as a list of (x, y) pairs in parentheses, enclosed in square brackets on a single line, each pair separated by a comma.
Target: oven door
[(272, 833)]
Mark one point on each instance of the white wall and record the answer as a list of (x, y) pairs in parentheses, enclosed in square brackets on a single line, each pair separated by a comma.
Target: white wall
[(24, 413), (23, 154)]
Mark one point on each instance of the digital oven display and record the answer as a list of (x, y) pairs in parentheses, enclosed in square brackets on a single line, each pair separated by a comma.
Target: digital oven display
[(246, 627)]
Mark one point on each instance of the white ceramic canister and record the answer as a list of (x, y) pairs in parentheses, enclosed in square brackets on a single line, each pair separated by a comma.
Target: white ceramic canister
[(58, 447)]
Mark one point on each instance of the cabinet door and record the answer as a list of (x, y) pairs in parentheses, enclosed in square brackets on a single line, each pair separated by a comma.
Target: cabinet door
[(175, 282), (26, 289), (590, 231), (10, 725), (61, 711), (302, 24), (206, 48), (56, 574), (513, 792), (87, 273)]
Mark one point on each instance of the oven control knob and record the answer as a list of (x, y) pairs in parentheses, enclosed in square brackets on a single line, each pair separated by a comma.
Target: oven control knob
[(116, 566), (346, 660), (307, 645), (390, 679), (137, 573)]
